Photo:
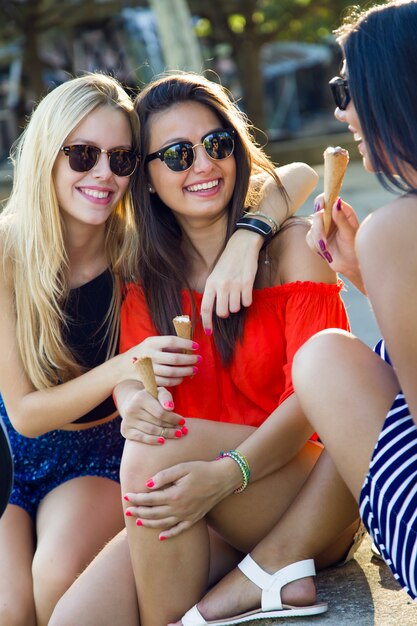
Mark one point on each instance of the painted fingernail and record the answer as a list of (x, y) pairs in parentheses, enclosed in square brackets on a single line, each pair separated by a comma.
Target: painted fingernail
[(316, 207), (161, 440), (339, 205), (322, 245), (139, 522), (195, 369), (134, 359), (199, 358), (184, 430), (128, 514), (162, 537), (169, 404), (328, 257), (126, 497), (181, 422), (208, 332), (178, 434), (195, 345), (150, 483)]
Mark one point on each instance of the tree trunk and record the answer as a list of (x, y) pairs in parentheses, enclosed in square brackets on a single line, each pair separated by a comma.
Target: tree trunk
[(32, 86), (248, 63)]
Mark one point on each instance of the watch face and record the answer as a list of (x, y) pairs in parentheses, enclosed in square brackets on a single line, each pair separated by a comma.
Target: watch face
[(6, 468)]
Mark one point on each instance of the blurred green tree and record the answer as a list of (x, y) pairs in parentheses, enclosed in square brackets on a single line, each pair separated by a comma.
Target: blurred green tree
[(247, 25), (27, 22)]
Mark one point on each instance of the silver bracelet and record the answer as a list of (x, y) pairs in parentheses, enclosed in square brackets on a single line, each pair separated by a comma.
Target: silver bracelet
[(274, 224)]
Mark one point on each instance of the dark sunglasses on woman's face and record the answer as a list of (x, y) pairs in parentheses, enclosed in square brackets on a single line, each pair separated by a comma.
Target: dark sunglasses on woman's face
[(83, 157), (340, 91), (172, 154)]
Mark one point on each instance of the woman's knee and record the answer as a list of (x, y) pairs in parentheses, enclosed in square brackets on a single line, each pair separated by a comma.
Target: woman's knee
[(325, 354)]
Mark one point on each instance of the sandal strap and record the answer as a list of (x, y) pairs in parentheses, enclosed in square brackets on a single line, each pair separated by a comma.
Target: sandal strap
[(271, 584), (193, 617)]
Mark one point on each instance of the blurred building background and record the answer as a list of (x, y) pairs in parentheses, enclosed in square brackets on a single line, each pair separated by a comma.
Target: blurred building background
[(276, 56)]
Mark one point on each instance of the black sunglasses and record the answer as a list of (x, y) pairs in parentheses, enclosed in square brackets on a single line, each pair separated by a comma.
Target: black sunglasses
[(179, 157), (340, 91), (83, 157)]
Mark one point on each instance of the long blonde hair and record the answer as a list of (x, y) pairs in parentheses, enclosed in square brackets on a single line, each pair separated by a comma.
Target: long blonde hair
[(34, 255)]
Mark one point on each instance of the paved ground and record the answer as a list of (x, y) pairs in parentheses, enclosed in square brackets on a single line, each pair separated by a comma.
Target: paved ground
[(362, 592)]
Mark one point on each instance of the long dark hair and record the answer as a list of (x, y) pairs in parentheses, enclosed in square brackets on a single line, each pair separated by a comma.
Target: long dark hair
[(163, 266), (380, 48)]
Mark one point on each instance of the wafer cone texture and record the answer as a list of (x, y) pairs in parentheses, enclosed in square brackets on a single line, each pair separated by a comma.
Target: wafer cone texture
[(182, 325), (145, 372), (335, 163)]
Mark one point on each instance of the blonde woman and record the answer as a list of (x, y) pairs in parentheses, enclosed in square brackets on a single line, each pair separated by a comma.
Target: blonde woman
[(68, 239)]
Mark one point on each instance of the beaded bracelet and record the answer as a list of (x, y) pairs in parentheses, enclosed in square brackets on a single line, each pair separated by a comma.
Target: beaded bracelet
[(274, 223), (241, 460)]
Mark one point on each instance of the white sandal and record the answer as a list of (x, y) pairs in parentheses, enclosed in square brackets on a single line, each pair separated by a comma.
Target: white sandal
[(271, 585)]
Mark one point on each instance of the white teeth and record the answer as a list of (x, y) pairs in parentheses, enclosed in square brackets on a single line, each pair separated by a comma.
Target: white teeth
[(94, 193), (203, 186)]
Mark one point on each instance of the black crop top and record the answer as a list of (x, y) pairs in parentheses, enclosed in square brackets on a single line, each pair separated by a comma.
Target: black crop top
[(86, 308)]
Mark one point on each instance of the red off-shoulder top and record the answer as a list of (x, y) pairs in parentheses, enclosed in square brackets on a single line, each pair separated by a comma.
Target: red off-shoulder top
[(258, 378)]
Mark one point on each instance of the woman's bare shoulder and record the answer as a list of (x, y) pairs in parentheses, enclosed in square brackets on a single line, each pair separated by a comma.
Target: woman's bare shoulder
[(294, 259)]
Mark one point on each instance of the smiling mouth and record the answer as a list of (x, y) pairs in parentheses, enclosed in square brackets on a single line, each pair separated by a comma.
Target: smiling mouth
[(94, 193), (203, 186)]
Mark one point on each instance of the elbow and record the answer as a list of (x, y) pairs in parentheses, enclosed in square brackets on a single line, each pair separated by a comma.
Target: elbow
[(24, 426)]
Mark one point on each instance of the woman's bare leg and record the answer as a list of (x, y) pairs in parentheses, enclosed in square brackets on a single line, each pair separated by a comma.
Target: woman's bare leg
[(104, 594), (319, 524), (74, 522), (346, 391), (180, 565), (17, 605)]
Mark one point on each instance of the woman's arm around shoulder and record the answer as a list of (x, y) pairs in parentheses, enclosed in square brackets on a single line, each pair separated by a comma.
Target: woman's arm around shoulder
[(298, 180), (386, 247), (230, 284), (292, 258)]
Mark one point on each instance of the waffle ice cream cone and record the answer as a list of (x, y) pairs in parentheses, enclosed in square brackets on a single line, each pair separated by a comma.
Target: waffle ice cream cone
[(335, 163), (146, 374), (182, 325)]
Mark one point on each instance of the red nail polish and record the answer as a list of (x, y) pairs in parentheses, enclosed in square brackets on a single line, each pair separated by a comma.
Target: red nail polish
[(169, 404), (162, 538), (184, 430), (208, 332), (195, 369), (339, 205), (139, 522), (126, 498), (199, 358), (181, 422), (195, 345), (161, 440), (150, 483), (178, 434), (128, 514)]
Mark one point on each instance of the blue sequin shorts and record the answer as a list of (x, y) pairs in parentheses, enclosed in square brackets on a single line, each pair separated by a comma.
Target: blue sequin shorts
[(45, 462)]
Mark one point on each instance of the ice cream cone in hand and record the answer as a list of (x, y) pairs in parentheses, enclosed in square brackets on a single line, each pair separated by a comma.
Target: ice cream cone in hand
[(182, 325), (146, 374), (335, 163)]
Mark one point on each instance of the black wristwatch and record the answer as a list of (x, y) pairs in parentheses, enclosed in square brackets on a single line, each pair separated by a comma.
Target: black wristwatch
[(256, 226)]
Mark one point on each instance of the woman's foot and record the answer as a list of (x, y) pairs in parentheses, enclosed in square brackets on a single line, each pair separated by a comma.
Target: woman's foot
[(236, 594)]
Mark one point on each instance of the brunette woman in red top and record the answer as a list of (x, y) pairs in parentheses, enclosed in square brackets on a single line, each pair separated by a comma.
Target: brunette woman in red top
[(241, 395), (191, 518)]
